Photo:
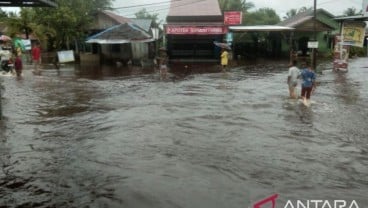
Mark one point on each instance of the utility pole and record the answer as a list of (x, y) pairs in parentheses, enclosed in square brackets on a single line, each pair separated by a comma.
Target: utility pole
[(314, 57)]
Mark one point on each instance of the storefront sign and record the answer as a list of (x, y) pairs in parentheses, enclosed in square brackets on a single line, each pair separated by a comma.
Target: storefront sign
[(27, 44), (353, 33), (65, 56), (312, 44), (195, 30), (233, 18)]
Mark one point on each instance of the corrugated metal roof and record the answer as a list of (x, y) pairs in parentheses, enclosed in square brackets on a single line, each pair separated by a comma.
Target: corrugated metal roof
[(118, 18), (357, 17), (123, 33), (194, 8), (145, 24), (302, 21)]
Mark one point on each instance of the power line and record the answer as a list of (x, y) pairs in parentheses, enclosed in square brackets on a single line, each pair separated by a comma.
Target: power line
[(326, 2), (155, 10), (142, 5)]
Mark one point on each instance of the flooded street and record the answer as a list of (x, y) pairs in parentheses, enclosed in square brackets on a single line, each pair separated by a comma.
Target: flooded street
[(107, 138)]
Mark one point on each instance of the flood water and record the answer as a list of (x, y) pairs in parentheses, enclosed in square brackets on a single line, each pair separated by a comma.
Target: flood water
[(87, 137)]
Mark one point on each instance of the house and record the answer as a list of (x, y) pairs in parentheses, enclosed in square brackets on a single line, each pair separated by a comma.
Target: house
[(323, 30), (112, 52)]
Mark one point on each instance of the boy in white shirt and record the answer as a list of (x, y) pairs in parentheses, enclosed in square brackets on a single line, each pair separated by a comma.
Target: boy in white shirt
[(292, 79)]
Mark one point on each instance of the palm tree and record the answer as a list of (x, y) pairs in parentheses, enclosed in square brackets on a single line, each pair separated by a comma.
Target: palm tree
[(304, 9), (291, 13), (243, 5), (25, 24), (350, 12)]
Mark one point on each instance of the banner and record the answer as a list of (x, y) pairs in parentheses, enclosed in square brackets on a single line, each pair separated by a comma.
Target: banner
[(65, 56), (195, 30), (233, 18), (353, 33), (341, 55), (27, 44)]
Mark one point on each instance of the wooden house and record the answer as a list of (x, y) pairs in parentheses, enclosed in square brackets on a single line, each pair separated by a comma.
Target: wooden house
[(121, 52), (323, 30)]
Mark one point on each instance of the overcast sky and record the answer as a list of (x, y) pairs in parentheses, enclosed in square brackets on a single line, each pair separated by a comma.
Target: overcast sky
[(336, 7), (129, 7)]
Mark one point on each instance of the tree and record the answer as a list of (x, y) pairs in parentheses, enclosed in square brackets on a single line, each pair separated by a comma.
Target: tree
[(304, 9), (3, 14), (61, 25), (351, 12), (291, 13), (263, 16), (143, 14), (24, 23), (71, 19), (237, 5)]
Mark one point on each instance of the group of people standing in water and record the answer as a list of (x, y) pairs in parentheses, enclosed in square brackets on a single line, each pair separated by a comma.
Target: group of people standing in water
[(11, 59), (308, 81)]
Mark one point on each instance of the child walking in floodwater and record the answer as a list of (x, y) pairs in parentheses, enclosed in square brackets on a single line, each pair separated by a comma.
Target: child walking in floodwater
[(292, 79), (308, 83)]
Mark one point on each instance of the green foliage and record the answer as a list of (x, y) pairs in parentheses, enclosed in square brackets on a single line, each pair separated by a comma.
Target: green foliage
[(293, 12), (60, 25), (263, 16), (3, 14), (304, 9), (351, 12), (143, 14), (357, 51), (235, 5)]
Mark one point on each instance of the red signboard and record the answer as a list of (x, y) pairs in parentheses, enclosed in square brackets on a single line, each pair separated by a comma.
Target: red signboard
[(195, 30), (233, 18)]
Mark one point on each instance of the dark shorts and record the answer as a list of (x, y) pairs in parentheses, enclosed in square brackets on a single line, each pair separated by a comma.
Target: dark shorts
[(306, 92)]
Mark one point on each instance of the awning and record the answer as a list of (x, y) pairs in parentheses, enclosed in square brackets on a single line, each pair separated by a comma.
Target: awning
[(353, 18), (123, 33), (261, 28)]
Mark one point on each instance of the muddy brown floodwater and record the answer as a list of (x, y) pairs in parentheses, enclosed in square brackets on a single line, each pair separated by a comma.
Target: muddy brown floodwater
[(100, 137)]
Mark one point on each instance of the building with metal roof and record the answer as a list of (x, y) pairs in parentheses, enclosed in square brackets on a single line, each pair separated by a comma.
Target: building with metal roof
[(191, 29)]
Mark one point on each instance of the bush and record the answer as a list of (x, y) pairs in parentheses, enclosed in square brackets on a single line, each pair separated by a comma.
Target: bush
[(357, 51)]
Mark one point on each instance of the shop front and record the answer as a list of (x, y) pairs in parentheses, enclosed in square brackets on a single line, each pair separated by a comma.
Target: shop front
[(194, 41), (191, 30)]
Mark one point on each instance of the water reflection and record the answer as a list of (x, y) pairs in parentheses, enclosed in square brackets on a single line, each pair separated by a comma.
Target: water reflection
[(346, 89)]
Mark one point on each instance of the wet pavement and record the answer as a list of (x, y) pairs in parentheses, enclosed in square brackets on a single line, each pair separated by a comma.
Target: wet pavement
[(91, 137)]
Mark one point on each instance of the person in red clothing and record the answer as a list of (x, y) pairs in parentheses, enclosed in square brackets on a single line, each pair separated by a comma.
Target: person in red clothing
[(36, 57)]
